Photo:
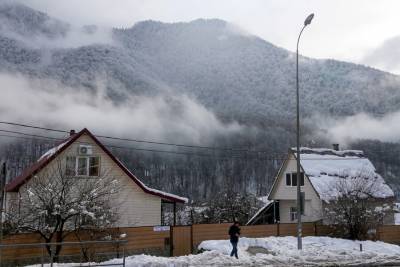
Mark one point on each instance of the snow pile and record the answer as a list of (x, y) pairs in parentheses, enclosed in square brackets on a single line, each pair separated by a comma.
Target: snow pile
[(326, 168), (276, 251), (317, 251), (209, 258)]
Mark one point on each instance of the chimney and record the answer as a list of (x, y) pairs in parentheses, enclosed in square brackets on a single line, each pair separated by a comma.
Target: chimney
[(71, 132), (335, 147)]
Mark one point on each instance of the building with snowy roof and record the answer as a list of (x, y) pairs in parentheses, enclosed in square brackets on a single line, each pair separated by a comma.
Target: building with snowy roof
[(323, 173), (83, 156)]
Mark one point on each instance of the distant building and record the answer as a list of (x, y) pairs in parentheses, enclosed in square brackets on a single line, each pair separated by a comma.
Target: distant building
[(83, 156), (321, 170)]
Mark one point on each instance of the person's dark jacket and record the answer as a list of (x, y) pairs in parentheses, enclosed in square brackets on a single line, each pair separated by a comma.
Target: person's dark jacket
[(234, 232)]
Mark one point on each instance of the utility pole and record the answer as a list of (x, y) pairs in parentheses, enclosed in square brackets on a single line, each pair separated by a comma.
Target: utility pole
[(3, 173), (298, 176), (2, 195)]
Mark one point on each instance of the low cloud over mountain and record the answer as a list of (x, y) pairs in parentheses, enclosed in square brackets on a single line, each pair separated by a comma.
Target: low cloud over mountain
[(236, 76)]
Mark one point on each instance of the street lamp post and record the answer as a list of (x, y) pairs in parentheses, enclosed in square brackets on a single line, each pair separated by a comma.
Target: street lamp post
[(299, 227)]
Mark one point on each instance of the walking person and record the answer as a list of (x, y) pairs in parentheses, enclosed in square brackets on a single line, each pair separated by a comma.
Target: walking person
[(234, 233)]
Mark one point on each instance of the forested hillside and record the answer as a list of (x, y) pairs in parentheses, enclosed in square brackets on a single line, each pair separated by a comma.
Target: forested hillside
[(238, 77)]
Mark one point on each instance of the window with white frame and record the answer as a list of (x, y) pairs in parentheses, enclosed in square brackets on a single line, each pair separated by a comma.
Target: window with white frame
[(82, 166), (293, 213), (70, 166), (291, 179)]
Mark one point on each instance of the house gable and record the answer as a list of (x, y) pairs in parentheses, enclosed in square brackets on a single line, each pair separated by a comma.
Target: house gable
[(280, 190), (84, 136)]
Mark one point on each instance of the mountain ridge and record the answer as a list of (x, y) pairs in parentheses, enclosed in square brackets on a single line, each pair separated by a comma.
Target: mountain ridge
[(233, 74)]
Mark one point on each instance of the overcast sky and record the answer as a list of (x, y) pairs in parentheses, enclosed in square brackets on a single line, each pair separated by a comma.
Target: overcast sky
[(359, 31)]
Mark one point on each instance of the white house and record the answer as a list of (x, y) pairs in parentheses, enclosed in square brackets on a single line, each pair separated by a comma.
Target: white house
[(84, 156), (321, 171)]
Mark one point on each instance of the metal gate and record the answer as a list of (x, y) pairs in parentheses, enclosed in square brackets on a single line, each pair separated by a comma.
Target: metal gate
[(181, 240)]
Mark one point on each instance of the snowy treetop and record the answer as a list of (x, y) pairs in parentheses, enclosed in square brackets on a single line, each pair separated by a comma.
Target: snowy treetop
[(326, 168)]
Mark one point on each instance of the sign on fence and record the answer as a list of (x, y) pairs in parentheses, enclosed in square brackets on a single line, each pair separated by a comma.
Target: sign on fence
[(161, 228)]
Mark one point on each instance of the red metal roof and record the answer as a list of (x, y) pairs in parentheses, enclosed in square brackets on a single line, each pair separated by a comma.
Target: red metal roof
[(29, 172)]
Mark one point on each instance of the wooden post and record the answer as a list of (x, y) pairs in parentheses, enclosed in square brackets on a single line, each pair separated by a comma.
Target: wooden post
[(171, 241), (315, 229), (162, 213), (174, 213), (277, 229), (191, 239), (378, 233)]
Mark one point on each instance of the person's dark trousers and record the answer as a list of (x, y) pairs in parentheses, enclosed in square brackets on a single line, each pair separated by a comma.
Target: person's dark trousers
[(234, 249)]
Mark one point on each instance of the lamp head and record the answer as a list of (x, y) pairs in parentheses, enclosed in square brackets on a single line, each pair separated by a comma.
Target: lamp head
[(309, 19)]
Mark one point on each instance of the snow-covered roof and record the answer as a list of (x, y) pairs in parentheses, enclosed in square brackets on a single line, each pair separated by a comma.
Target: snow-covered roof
[(264, 199), (259, 212), (326, 168), (267, 203), (53, 150), (165, 194)]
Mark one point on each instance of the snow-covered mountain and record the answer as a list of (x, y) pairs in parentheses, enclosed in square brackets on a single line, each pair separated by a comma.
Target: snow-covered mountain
[(237, 75)]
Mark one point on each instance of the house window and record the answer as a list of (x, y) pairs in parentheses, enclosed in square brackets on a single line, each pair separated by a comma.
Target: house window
[(82, 166), (291, 179), (82, 169), (293, 213), (70, 166), (294, 179), (94, 166)]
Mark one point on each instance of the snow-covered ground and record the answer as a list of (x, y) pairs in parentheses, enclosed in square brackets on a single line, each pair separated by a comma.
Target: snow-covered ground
[(278, 251)]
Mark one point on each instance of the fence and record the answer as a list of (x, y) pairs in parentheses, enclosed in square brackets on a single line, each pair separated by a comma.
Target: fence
[(89, 251), (151, 240), (179, 240)]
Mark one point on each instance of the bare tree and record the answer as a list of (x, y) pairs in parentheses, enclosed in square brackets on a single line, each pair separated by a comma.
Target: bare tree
[(54, 205), (228, 206), (356, 208)]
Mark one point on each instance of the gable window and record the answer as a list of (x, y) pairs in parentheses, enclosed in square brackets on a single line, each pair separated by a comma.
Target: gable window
[(294, 179), (82, 166), (293, 213), (94, 166), (70, 166), (291, 179)]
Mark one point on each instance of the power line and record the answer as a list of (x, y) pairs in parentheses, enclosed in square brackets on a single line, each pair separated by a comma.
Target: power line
[(144, 141), (22, 137), (29, 136), (32, 126), (141, 141), (32, 136)]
